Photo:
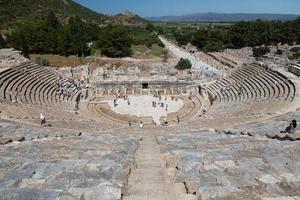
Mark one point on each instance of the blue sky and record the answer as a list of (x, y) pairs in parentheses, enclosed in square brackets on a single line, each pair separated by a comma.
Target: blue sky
[(148, 8)]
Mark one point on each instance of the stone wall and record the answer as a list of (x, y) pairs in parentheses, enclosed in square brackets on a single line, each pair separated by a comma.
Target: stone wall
[(145, 88)]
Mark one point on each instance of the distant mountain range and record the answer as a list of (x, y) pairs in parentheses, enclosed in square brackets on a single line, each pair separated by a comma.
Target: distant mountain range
[(222, 17)]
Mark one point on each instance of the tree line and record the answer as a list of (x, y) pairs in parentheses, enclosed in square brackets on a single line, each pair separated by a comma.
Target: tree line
[(241, 34), (76, 37)]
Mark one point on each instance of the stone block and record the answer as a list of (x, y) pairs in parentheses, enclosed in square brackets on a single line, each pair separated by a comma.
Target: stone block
[(104, 191), (4, 140)]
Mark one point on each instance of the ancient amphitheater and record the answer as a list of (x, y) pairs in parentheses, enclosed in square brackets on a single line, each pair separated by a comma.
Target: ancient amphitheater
[(219, 138)]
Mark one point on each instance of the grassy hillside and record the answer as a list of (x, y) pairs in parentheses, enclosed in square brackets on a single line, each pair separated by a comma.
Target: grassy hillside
[(13, 12)]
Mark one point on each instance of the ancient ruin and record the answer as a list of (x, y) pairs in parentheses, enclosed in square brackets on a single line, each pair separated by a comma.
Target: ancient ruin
[(138, 130)]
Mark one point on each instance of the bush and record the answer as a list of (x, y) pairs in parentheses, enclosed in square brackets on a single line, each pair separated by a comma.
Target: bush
[(213, 46), (295, 49), (183, 64), (260, 51)]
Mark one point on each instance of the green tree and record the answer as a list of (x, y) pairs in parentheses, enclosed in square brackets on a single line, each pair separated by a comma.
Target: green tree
[(77, 36), (2, 42), (52, 20), (115, 42), (150, 27), (260, 51), (64, 45), (183, 64)]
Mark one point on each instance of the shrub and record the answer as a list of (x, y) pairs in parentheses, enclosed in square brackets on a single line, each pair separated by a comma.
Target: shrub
[(213, 46), (183, 64), (260, 51)]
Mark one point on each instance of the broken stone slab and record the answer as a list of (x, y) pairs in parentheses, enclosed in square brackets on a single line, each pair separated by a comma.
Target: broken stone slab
[(192, 185), (4, 141), (289, 177), (103, 191), (33, 183), (32, 194), (271, 135), (18, 138), (269, 179), (281, 136), (293, 137), (211, 192)]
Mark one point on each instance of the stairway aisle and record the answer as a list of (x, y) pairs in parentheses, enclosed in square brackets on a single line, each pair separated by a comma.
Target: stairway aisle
[(147, 182)]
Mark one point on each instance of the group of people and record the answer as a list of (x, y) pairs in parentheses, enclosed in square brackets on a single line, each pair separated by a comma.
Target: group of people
[(65, 87), (121, 96), (159, 104), (141, 125)]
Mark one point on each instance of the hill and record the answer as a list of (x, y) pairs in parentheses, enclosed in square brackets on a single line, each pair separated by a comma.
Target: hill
[(127, 18), (222, 17), (18, 11)]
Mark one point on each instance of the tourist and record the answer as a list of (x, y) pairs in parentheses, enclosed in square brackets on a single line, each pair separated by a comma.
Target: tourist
[(43, 119), (166, 107), (128, 102), (291, 128), (129, 123), (204, 110), (165, 122), (141, 125), (115, 102), (178, 120), (294, 122)]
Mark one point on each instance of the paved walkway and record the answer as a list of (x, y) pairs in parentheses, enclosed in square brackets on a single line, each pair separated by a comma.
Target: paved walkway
[(147, 181), (142, 106), (196, 62)]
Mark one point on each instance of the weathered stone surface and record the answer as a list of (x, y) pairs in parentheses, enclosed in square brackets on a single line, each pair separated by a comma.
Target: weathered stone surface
[(32, 194), (4, 141), (103, 191), (217, 166), (91, 166)]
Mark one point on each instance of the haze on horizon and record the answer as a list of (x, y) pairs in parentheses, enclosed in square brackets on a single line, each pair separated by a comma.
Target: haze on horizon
[(154, 8)]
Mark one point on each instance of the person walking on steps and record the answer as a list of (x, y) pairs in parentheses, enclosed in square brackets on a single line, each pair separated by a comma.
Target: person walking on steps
[(42, 119), (141, 125)]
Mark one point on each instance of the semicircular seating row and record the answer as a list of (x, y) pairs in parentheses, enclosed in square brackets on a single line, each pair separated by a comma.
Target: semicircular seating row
[(253, 83), (31, 84)]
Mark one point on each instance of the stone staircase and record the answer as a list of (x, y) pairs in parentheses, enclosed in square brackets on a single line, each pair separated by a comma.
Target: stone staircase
[(147, 181)]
